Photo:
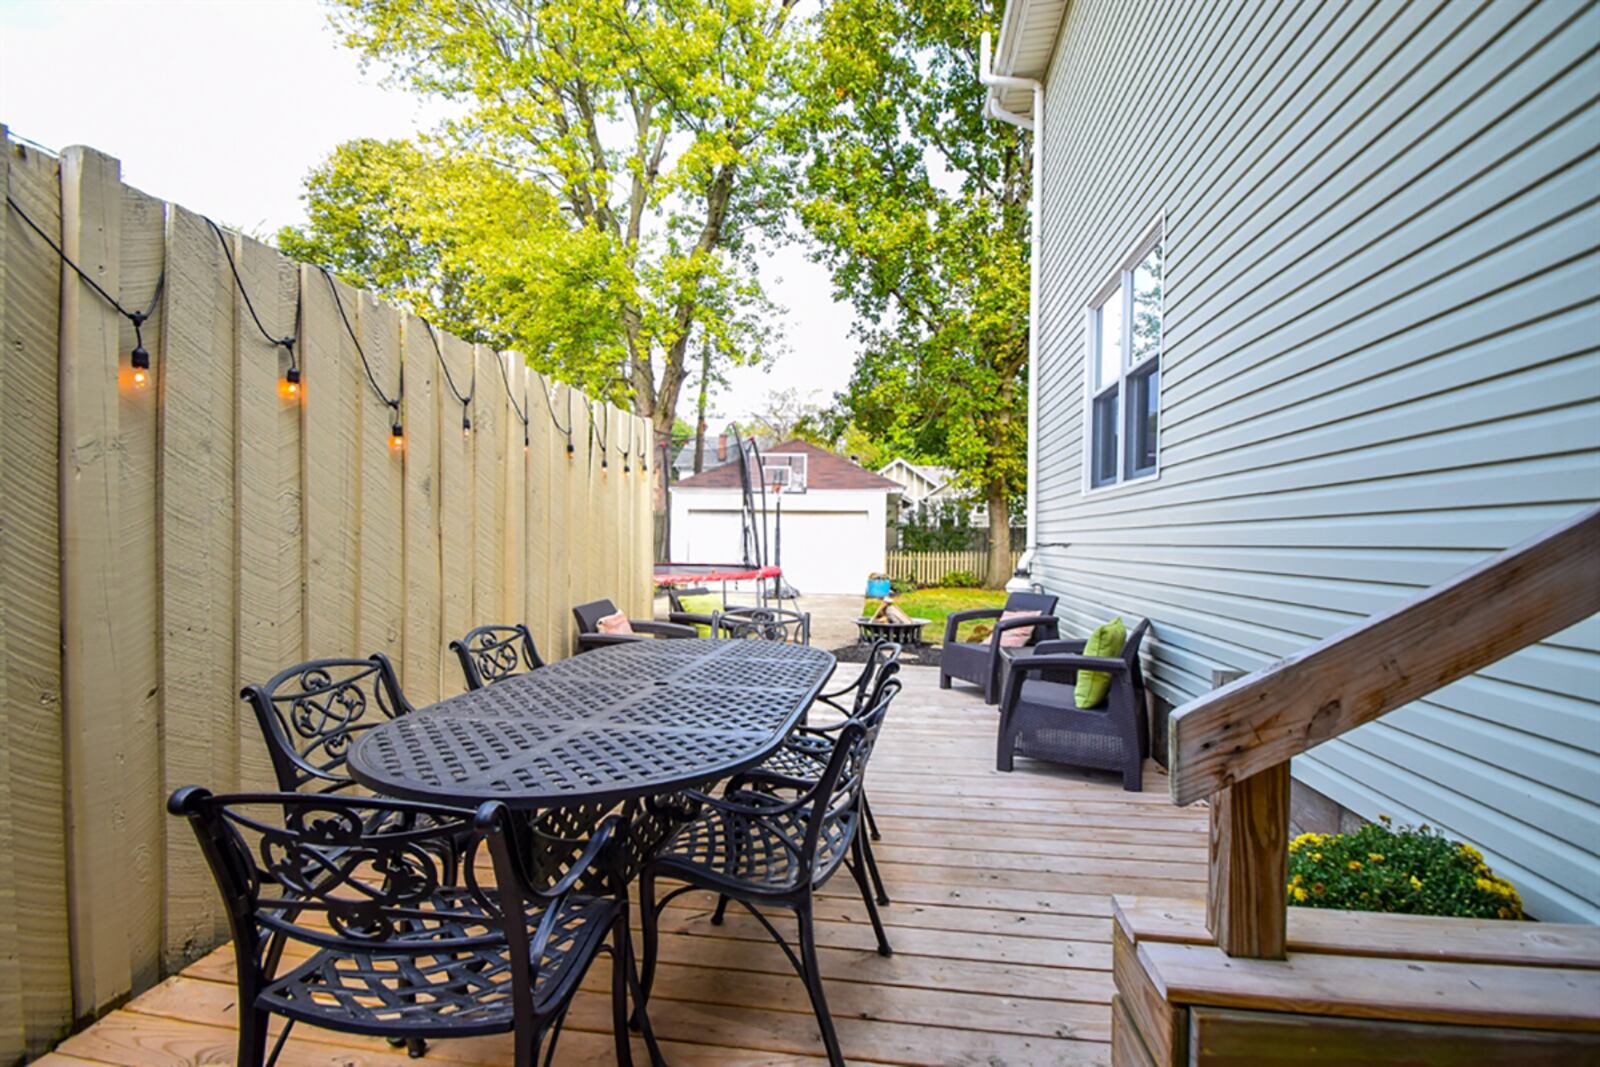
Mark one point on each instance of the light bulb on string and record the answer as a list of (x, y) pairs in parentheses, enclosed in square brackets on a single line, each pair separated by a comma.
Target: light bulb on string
[(139, 359), (466, 425), (289, 387), (397, 437)]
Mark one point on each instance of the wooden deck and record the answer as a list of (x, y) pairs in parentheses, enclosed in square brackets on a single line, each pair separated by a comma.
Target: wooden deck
[(1001, 927)]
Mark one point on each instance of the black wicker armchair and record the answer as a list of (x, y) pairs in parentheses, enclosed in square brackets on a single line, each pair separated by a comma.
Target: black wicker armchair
[(773, 840), (982, 662), (1039, 716), (491, 653), (396, 950), (588, 618), (679, 613)]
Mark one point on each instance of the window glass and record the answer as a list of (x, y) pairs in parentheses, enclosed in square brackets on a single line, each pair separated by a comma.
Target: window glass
[(1145, 334), (1109, 357), (1104, 470), (1144, 390)]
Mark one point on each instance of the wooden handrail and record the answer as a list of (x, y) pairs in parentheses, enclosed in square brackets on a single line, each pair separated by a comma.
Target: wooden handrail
[(1484, 614)]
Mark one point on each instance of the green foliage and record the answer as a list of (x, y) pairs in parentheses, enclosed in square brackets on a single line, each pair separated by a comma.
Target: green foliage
[(961, 580), (1412, 871), (595, 197), (940, 527), (918, 205), (902, 586)]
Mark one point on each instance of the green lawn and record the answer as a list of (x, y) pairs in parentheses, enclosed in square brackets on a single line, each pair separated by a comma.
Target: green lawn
[(936, 605)]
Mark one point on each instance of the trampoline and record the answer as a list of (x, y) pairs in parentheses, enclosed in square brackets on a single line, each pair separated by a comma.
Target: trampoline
[(703, 573)]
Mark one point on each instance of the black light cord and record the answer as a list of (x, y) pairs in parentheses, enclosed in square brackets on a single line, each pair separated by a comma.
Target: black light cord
[(285, 343), (365, 365), (466, 401), (594, 432), (567, 429), (140, 357), (522, 412)]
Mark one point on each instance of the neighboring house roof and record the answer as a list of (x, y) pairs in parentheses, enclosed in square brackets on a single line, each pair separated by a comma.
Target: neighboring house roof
[(824, 470), (1027, 41), (684, 461), (936, 476)]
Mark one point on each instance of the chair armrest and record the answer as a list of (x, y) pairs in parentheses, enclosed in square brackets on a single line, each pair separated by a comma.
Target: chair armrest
[(1071, 647), (603, 640), (1037, 664), (781, 807), (662, 629), (689, 618), (1049, 621), (951, 622)]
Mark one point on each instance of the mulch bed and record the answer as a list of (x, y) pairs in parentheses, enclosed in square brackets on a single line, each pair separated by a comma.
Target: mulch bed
[(923, 656)]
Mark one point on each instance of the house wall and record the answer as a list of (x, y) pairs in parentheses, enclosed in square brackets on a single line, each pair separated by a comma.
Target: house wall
[(1379, 367), (831, 539)]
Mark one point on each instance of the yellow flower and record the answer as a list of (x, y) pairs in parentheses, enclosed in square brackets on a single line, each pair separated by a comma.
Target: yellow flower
[(1416, 883), (1300, 894), (1318, 889), (1504, 913), (1316, 857), (1297, 880), (1471, 853), (1355, 865), (1484, 885), (1375, 857)]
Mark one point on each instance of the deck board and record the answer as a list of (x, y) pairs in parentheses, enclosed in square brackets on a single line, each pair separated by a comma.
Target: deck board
[(1001, 926)]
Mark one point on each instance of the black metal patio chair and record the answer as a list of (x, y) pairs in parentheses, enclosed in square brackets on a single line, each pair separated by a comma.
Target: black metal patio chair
[(772, 840), (808, 748), (1040, 718), (588, 618), (762, 624), (310, 714), (499, 650), (981, 662), (396, 950)]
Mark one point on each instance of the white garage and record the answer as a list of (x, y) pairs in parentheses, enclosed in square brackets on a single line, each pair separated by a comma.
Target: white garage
[(832, 529)]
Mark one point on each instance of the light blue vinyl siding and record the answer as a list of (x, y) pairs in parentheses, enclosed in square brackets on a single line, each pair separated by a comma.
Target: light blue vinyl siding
[(1382, 364)]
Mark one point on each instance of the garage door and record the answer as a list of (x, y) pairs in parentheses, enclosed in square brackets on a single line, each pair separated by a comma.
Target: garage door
[(829, 551)]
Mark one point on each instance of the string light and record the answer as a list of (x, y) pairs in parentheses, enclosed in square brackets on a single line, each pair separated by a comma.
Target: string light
[(139, 358), (397, 436), (466, 425), (465, 401), (289, 384)]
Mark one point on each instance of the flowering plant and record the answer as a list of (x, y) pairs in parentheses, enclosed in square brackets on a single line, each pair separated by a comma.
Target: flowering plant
[(1383, 868)]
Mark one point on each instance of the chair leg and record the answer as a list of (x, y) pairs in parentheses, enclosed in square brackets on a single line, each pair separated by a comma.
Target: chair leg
[(872, 824), (944, 680), (1005, 747), (813, 981), (253, 1038), (641, 1018), (859, 869), (722, 909), (872, 871), (619, 990), (649, 918)]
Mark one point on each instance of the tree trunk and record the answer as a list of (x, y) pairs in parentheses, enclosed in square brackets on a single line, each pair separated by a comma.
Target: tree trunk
[(999, 540), (700, 410)]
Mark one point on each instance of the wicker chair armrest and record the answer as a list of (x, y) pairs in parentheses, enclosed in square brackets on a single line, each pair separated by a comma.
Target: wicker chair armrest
[(603, 640), (951, 622), (662, 629), (1037, 664), (1068, 646), (689, 618)]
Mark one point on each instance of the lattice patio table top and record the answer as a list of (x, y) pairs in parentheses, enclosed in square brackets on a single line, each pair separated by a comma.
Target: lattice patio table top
[(633, 720)]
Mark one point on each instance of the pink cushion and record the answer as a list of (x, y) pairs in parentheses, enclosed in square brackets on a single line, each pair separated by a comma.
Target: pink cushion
[(1018, 637), (615, 624)]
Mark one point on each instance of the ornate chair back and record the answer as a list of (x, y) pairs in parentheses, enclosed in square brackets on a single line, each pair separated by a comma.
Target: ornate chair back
[(763, 624), (310, 714), (490, 653), (836, 808)]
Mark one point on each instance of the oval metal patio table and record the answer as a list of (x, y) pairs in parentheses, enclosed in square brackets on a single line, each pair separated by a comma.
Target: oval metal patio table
[(629, 721)]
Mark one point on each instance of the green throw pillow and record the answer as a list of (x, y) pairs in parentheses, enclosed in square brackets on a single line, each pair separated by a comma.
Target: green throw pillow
[(1107, 640)]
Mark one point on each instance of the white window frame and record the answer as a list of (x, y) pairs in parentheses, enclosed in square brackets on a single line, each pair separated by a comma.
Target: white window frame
[(1120, 286)]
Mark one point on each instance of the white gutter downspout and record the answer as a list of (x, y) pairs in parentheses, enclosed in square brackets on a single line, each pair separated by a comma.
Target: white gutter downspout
[(992, 109)]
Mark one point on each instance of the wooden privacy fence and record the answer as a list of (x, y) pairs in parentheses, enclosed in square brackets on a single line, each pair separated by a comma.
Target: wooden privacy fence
[(929, 568), (161, 546)]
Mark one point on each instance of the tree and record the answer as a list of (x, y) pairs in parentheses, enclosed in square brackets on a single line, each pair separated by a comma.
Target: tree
[(641, 125), (918, 205), (783, 414)]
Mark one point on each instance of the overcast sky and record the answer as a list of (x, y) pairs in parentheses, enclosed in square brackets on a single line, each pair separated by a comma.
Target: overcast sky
[(224, 105)]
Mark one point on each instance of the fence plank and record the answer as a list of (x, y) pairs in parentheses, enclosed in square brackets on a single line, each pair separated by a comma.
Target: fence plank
[(488, 458), (13, 1040), (457, 515), (340, 407), (929, 568), (422, 657), (379, 504), (30, 606), (197, 564), (542, 452), (513, 538), (270, 519)]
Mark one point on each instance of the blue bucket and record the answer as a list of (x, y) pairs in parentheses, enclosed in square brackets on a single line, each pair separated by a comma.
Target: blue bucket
[(877, 588)]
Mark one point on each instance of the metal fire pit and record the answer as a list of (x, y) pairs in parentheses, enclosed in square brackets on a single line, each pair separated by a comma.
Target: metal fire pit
[(903, 633)]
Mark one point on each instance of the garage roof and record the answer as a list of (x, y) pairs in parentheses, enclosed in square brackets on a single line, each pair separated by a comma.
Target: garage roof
[(824, 470)]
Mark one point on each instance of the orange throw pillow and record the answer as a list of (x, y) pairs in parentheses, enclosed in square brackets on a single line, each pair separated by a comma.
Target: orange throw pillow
[(615, 624), (1020, 636)]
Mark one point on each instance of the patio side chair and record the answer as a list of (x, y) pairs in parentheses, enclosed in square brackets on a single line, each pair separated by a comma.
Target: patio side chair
[(311, 713), (496, 651), (772, 841), (588, 617), (396, 950), (1040, 718), (762, 624), (982, 662)]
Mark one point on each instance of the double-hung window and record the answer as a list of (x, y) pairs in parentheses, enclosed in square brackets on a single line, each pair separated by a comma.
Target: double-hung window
[(1124, 370)]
